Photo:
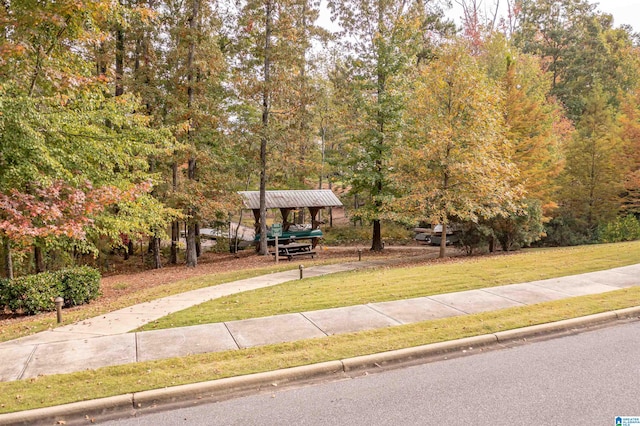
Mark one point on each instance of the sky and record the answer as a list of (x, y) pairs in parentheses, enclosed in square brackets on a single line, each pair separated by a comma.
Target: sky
[(623, 11)]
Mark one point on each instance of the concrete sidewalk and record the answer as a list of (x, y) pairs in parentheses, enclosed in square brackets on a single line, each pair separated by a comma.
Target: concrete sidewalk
[(133, 317), (100, 342)]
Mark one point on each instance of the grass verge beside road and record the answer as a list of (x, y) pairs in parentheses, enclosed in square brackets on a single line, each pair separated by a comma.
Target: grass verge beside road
[(385, 284), (60, 389)]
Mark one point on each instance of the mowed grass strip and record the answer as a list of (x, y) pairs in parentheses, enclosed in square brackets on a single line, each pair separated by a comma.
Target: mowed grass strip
[(385, 284), (47, 391), (47, 321)]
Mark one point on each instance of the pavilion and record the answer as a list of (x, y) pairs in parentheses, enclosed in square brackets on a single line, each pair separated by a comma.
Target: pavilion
[(288, 201)]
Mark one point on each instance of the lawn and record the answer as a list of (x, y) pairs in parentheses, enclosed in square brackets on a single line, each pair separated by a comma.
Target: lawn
[(384, 284), (345, 289), (60, 389)]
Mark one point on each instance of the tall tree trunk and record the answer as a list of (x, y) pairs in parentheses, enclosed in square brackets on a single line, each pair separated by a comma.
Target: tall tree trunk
[(192, 255), (157, 258), (330, 208), (175, 238), (376, 244), (304, 101), (38, 258), (8, 260), (131, 249), (119, 60), (126, 252), (376, 241), (198, 242), (323, 138), (175, 225), (445, 186), (265, 130), (443, 240)]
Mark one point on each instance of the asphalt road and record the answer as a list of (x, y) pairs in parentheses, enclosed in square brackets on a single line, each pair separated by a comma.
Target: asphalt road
[(584, 379)]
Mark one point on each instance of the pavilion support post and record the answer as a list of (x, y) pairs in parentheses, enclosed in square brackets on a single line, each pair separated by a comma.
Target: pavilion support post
[(285, 218), (256, 225), (314, 213)]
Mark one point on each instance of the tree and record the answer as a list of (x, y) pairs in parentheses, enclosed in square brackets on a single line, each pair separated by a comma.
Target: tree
[(579, 47), (270, 45), (477, 25), (630, 134), (519, 228), (89, 141), (536, 126), (595, 167), (62, 123), (188, 71), (456, 164), (382, 40)]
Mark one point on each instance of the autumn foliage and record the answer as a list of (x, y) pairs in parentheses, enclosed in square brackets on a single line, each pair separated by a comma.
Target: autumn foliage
[(57, 209)]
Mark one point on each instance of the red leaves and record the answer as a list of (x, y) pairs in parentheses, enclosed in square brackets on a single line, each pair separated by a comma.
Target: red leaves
[(58, 209)]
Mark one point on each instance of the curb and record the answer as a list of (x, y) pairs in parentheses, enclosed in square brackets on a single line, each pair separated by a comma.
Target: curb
[(417, 353), (234, 386), (223, 389), (111, 407)]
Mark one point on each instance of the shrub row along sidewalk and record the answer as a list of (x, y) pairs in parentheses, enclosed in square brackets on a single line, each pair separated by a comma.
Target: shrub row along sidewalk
[(33, 294)]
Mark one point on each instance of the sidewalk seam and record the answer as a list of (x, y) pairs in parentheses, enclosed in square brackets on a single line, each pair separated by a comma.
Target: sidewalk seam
[(314, 324), (231, 334), (26, 364), (487, 290), (137, 347), (370, 306)]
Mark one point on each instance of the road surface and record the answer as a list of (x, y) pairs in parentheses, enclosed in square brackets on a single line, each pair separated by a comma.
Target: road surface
[(584, 379)]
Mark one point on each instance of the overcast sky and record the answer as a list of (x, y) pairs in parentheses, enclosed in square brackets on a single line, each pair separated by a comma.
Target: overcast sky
[(623, 11)]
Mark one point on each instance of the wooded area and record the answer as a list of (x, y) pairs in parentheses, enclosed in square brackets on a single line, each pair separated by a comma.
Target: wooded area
[(127, 121)]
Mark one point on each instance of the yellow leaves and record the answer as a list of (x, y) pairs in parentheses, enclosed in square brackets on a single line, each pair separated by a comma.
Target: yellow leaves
[(63, 99), (459, 152), (183, 128)]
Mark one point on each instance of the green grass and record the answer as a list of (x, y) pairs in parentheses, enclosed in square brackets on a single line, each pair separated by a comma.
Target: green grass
[(384, 284), (59, 389), (48, 321), (362, 287)]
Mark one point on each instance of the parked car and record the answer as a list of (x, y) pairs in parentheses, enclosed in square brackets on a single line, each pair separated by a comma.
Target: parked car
[(423, 238)]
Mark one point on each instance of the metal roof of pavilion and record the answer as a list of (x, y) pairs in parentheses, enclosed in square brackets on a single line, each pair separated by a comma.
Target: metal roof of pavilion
[(293, 199)]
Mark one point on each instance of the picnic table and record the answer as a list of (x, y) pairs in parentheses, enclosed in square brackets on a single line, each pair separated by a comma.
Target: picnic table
[(295, 249)]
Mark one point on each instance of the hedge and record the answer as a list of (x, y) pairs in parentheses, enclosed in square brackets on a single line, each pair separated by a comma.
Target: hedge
[(32, 294), (79, 285)]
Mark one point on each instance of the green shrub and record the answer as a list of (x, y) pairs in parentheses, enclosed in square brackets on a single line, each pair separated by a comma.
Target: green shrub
[(622, 229), (473, 237), (78, 285), (565, 230), (519, 229), (4, 291), (348, 234), (32, 294)]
